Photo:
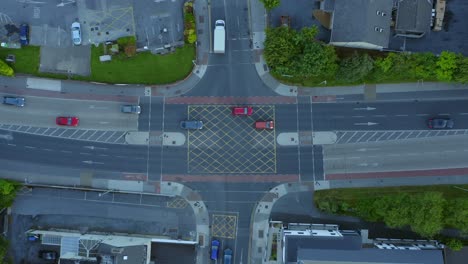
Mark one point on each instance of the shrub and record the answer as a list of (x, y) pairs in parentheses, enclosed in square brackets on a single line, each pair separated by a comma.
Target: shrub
[(355, 68)]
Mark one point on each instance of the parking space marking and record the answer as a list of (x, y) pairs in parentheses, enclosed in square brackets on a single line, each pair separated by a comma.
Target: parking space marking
[(224, 226)]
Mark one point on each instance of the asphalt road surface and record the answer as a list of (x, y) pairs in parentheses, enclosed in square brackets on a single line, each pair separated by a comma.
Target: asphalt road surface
[(42, 111), (417, 154), (387, 115)]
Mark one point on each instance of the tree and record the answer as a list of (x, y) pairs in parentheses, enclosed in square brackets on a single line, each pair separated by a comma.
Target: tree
[(446, 66), (270, 4), (355, 68), (3, 248), (5, 69), (280, 50), (318, 60), (461, 73), (422, 65), (427, 213), (7, 192), (456, 214), (454, 244)]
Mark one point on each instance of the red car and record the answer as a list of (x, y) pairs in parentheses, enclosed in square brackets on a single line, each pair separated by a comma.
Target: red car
[(67, 121), (270, 125), (242, 111)]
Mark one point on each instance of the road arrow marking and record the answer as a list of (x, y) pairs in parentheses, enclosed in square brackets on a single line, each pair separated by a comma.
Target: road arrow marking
[(93, 147), (97, 107), (366, 149), (365, 108), (92, 162), (366, 124), (103, 123)]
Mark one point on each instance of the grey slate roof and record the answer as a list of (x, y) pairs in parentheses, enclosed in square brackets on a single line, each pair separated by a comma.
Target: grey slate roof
[(355, 21), (414, 15), (328, 5), (370, 256), (134, 254), (294, 243)]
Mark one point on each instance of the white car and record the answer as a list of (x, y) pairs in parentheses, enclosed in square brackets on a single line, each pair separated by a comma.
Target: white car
[(76, 33)]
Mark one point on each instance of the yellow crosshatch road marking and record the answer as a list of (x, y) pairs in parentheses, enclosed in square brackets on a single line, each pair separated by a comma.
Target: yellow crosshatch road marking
[(120, 18), (230, 144), (177, 203), (224, 226)]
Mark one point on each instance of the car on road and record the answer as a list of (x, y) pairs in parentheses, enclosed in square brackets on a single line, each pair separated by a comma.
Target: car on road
[(67, 121), (48, 254), (227, 256), (191, 124), (13, 100), (214, 249), (24, 34), (76, 33), (440, 123), (242, 111), (269, 125), (131, 109)]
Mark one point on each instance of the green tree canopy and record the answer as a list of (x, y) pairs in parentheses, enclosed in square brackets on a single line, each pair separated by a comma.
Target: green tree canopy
[(446, 66), (7, 193), (456, 214), (280, 50), (461, 73), (454, 244), (355, 68), (270, 4), (5, 69), (318, 60)]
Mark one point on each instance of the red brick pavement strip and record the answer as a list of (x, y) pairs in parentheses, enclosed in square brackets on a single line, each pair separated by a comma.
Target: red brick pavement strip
[(324, 98), (398, 174), (76, 96), (232, 100), (231, 178)]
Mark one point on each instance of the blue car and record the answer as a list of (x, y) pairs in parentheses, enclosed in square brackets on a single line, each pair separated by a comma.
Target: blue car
[(227, 256), (214, 249), (24, 34)]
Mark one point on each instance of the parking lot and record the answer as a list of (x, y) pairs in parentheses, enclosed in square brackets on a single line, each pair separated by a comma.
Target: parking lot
[(230, 144), (156, 24)]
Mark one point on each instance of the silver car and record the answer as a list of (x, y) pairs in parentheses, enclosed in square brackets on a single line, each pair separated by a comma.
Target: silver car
[(76, 33)]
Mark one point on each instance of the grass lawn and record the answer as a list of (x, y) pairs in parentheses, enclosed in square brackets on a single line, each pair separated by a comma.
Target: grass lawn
[(144, 67), (352, 194), (27, 59)]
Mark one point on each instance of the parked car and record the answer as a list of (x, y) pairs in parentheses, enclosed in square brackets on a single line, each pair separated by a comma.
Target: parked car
[(76, 33), (131, 109), (242, 110), (270, 125), (214, 249), (440, 123), (24, 34), (13, 100), (48, 254), (33, 237), (67, 121), (191, 124), (227, 256)]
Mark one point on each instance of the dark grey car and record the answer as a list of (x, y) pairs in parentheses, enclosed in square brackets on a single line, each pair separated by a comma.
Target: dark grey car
[(16, 101), (191, 124), (131, 109), (440, 123)]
